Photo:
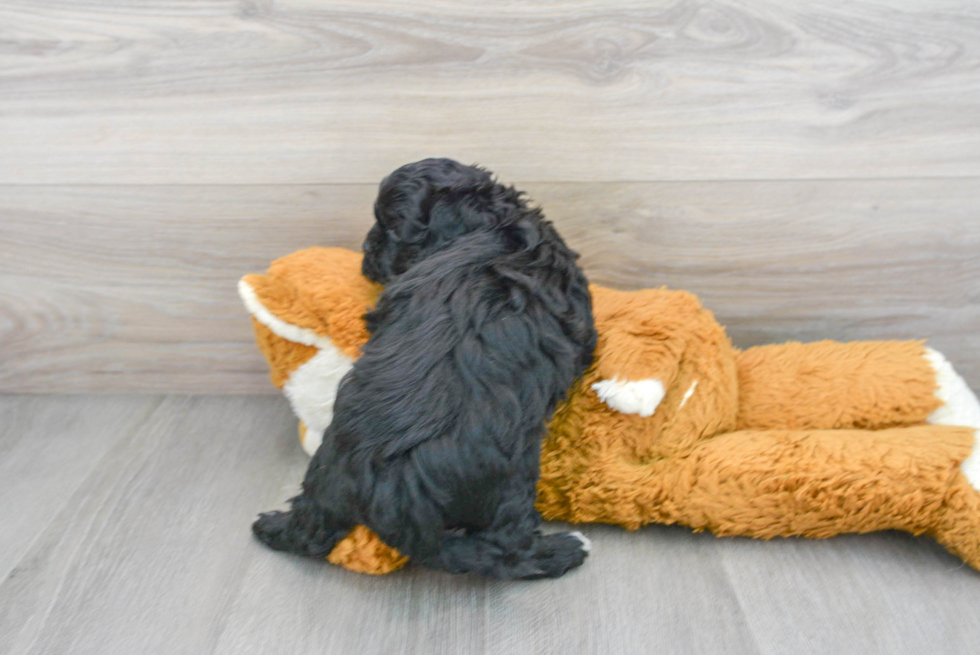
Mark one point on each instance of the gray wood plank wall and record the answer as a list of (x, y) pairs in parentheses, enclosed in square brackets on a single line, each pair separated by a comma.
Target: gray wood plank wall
[(812, 170)]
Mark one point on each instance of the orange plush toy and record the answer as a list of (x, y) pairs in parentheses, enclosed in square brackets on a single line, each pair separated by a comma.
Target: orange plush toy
[(672, 424)]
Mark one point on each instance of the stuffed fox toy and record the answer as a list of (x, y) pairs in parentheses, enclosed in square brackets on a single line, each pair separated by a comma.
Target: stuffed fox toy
[(672, 424)]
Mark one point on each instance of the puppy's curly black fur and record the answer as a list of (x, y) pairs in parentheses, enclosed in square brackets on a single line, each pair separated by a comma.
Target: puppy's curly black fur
[(485, 322)]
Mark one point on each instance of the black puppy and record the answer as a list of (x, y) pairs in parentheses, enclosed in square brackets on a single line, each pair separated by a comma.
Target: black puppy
[(485, 322)]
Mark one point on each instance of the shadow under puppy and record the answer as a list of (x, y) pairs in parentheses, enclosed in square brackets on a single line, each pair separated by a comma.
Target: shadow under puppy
[(484, 324)]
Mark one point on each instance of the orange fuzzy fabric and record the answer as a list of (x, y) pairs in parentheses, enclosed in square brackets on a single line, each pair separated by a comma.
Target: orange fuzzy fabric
[(283, 356), (302, 289), (864, 384), (364, 552), (795, 439)]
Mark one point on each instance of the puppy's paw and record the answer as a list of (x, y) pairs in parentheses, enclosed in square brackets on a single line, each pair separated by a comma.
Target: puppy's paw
[(559, 553), (298, 533), (586, 542), (271, 529)]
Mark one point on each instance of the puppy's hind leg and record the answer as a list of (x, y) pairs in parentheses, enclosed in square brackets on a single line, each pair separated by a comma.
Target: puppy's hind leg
[(542, 556), (318, 518), (513, 546), (510, 547), (306, 529)]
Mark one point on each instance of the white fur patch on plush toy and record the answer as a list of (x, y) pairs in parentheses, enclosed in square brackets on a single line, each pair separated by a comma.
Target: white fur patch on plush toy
[(312, 391), (960, 407), (641, 397), (688, 394)]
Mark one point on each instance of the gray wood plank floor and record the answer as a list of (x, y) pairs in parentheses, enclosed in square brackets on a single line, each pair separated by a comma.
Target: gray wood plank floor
[(126, 531)]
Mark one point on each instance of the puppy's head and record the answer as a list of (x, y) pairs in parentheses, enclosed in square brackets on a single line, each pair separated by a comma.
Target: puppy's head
[(423, 206)]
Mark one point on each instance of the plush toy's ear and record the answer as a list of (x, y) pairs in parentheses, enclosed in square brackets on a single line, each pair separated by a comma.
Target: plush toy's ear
[(286, 346), (312, 295), (308, 312)]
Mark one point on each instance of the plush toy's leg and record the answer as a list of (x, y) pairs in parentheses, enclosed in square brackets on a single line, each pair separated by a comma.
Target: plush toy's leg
[(822, 483), (830, 385), (959, 407), (362, 551), (960, 531)]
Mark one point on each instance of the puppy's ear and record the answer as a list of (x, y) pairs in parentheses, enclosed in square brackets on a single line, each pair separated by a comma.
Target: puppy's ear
[(448, 218)]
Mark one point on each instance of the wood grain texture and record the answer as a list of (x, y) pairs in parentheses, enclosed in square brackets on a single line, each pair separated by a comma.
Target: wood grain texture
[(811, 170), (310, 91), (48, 447), (151, 553), (905, 595), (656, 605), (120, 288), (634, 591)]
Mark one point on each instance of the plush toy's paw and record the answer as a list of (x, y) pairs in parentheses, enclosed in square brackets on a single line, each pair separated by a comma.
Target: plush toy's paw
[(559, 553), (641, 397)]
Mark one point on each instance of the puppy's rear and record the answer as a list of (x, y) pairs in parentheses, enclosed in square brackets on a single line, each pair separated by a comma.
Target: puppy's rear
[(484, 325)]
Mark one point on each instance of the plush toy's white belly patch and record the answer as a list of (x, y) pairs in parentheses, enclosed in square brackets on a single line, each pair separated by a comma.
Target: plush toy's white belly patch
[(312, 391)]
